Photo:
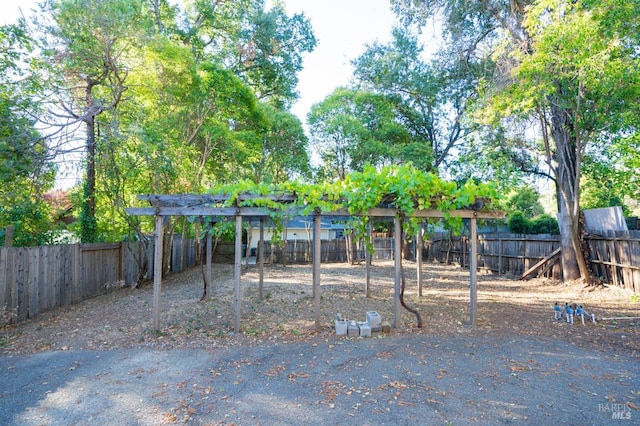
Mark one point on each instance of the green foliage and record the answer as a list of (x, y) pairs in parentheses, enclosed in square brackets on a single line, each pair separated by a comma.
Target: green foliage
[(526, 200), (282, 150), (605, 185), (264, 46), (570, 67), (88, 222), (400, 109), (273, 45), (174, 97), (544, 224), (427, 98), (519, 223), (402, 187), (25, 170), (31, 218)]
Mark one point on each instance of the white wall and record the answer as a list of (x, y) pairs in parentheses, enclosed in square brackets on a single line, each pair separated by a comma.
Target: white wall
[(292, 234)]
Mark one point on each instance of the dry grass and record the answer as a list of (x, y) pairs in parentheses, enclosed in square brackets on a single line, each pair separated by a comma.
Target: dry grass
[(123, 318)]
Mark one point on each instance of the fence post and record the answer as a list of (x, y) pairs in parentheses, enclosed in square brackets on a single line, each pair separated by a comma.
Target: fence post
[(367, 261), (8, 236), (5, 287), (261, 257), (120, 262), (208, 259)]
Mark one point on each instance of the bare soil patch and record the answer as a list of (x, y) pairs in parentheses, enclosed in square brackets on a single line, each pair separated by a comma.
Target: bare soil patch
[(506, 307)]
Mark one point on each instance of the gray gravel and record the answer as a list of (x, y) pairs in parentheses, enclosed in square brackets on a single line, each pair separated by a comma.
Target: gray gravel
[(394, 380)]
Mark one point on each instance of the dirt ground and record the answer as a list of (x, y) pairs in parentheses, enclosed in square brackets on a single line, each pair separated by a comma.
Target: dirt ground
[(100, 362), (506, 307)]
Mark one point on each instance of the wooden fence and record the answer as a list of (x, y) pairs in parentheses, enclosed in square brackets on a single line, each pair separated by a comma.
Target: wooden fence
[(36, 279), (614, 258), (299, 251)]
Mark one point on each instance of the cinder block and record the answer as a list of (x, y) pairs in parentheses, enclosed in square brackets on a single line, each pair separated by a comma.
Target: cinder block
[(365, 329), (352, 329), (341, 327), (373, 318)]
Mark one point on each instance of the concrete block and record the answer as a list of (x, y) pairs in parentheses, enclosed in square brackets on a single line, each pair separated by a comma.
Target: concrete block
[(352, 329), (373, 318), (341, 327), (365, 329)]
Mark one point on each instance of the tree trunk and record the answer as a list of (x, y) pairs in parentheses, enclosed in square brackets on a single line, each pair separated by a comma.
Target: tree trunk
[(570, 269), (88, 227), (568, 158)]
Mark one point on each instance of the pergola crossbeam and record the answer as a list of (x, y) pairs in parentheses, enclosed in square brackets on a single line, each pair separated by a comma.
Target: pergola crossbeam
[(257, 212)]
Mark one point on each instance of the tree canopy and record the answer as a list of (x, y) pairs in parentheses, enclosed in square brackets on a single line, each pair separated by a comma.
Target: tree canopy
[(158, 96), (562, 85)]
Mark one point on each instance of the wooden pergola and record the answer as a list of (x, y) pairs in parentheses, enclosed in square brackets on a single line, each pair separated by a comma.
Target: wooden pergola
[(210, 206)]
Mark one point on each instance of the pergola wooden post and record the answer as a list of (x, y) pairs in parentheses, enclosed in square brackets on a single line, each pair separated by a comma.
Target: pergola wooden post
[(157, 270), (261, 261), (237, 272), (419, 258), (209, 255), (397, 282), (367, 262), (473, 272), (317, 247)]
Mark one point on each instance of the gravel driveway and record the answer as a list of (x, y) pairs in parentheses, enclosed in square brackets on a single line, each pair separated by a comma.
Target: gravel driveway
[(472, 377)]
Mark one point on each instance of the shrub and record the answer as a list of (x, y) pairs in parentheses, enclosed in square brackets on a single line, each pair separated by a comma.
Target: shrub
[(518, 223), (542, 224)]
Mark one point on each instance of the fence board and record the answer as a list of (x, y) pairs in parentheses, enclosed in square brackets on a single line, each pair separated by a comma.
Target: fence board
[(33, 283), (4, 294)]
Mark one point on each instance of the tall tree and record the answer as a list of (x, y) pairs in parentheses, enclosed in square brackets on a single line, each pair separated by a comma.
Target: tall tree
[(166, 96), (269, 56), (283, 146), (88, 41), (569, 65), (351, 128), (264, 47), (26, 172), (431, 96)]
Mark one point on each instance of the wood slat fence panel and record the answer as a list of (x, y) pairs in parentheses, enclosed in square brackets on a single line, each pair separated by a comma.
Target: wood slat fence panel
[(615, 258), (34, 280), (299, 251)]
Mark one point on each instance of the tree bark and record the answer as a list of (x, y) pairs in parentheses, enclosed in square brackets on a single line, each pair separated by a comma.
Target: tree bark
[(568, 159)]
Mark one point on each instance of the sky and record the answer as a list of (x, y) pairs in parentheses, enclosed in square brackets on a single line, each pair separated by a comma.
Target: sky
[(342, 28)]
